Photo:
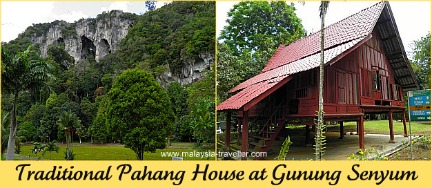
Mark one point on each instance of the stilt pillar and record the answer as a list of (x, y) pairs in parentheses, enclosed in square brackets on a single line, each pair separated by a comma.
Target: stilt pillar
[(341, 130), (404, 123), (245, 134), (228, 132), (307, 135), (357, 127), (361, 132), (390, 117)]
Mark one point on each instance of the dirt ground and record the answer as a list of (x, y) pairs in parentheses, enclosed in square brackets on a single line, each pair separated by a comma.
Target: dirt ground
[(421, 150)]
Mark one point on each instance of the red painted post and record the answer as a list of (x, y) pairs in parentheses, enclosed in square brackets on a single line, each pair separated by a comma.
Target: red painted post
[(361, 132), (390, 116), (245, 134), (404, 123), (228, 131)]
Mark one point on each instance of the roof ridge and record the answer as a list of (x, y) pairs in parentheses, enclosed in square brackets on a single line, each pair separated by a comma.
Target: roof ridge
[(350, 16), (375, 9)]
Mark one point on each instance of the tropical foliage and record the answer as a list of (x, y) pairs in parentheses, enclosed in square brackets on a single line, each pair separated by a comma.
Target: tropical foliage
[(253, 33), (19, 74), (139, 112), (171, 36), (422, 61), (58, 88)]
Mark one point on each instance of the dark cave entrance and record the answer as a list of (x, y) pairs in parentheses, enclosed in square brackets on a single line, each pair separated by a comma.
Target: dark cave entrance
[(105, 48), (60, 42), (88, 48)]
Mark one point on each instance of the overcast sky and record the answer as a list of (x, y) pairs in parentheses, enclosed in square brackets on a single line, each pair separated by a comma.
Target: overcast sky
[(17, 16), (412, 18)]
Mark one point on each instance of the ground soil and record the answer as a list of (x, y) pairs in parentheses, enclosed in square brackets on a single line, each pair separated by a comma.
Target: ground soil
[(419, 153)]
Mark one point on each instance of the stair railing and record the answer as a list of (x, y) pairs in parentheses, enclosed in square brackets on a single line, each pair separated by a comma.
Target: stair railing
[(275, 115)]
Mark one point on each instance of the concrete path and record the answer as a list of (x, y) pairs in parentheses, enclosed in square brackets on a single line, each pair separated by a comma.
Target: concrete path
[(340, 149)]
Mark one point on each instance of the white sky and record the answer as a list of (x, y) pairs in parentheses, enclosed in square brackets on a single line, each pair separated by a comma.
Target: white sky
[(412, 18), (17, 16)]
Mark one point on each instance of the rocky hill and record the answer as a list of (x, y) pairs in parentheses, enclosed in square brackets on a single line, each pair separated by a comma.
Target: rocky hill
[(93, 36), (172, 45)]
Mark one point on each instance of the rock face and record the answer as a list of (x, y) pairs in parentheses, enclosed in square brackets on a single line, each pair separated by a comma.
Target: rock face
[(100, 36), (94, 36), (191, 72)]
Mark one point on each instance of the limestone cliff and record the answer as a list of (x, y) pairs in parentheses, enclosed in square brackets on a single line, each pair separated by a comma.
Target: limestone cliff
[(191, 72), (94, 36), (100, 36)]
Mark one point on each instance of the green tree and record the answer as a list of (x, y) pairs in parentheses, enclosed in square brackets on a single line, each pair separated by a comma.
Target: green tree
[(50, 147), (27, 131), (98, 129), (320, 138), (178, 96), (20, 73), (253, 33), (201, 106), (421, 62), (232, 69), (261, 26), (68, 122), (139, 112), (35, 114), (55, 106), (88, 112), (172, 35), (202, 120), (81, 132), (59, 55)]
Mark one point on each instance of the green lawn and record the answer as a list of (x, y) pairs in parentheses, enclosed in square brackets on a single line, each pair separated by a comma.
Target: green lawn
[(381, 127), (87, 151)]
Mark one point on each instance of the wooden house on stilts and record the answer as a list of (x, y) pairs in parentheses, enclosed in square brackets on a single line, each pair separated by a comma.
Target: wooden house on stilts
[(366, 72)]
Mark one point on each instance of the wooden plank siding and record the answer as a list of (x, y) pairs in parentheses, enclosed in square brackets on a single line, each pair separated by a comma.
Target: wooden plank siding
[(363, 77)]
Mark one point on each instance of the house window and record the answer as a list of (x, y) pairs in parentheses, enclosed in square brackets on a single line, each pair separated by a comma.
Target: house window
[(376, 80), (395, 93), (302, 93)]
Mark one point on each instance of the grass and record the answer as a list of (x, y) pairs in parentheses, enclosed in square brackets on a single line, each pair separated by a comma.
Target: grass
[(382, 127), (86, 151)]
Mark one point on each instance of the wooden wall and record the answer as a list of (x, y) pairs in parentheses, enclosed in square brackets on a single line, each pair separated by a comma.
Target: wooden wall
[(363, 77)]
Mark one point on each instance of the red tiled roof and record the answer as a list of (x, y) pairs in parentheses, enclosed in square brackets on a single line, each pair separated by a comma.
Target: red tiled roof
[(304, 55), (350, 28), (246, 95), (300, 65)]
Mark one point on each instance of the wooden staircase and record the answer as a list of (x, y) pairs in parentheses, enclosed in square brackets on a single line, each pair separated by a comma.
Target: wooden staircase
[(264, 131)]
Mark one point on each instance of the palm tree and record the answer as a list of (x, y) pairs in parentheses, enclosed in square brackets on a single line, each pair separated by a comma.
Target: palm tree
[(68, 122), (20, 73), (50, 147), (320, 139)]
